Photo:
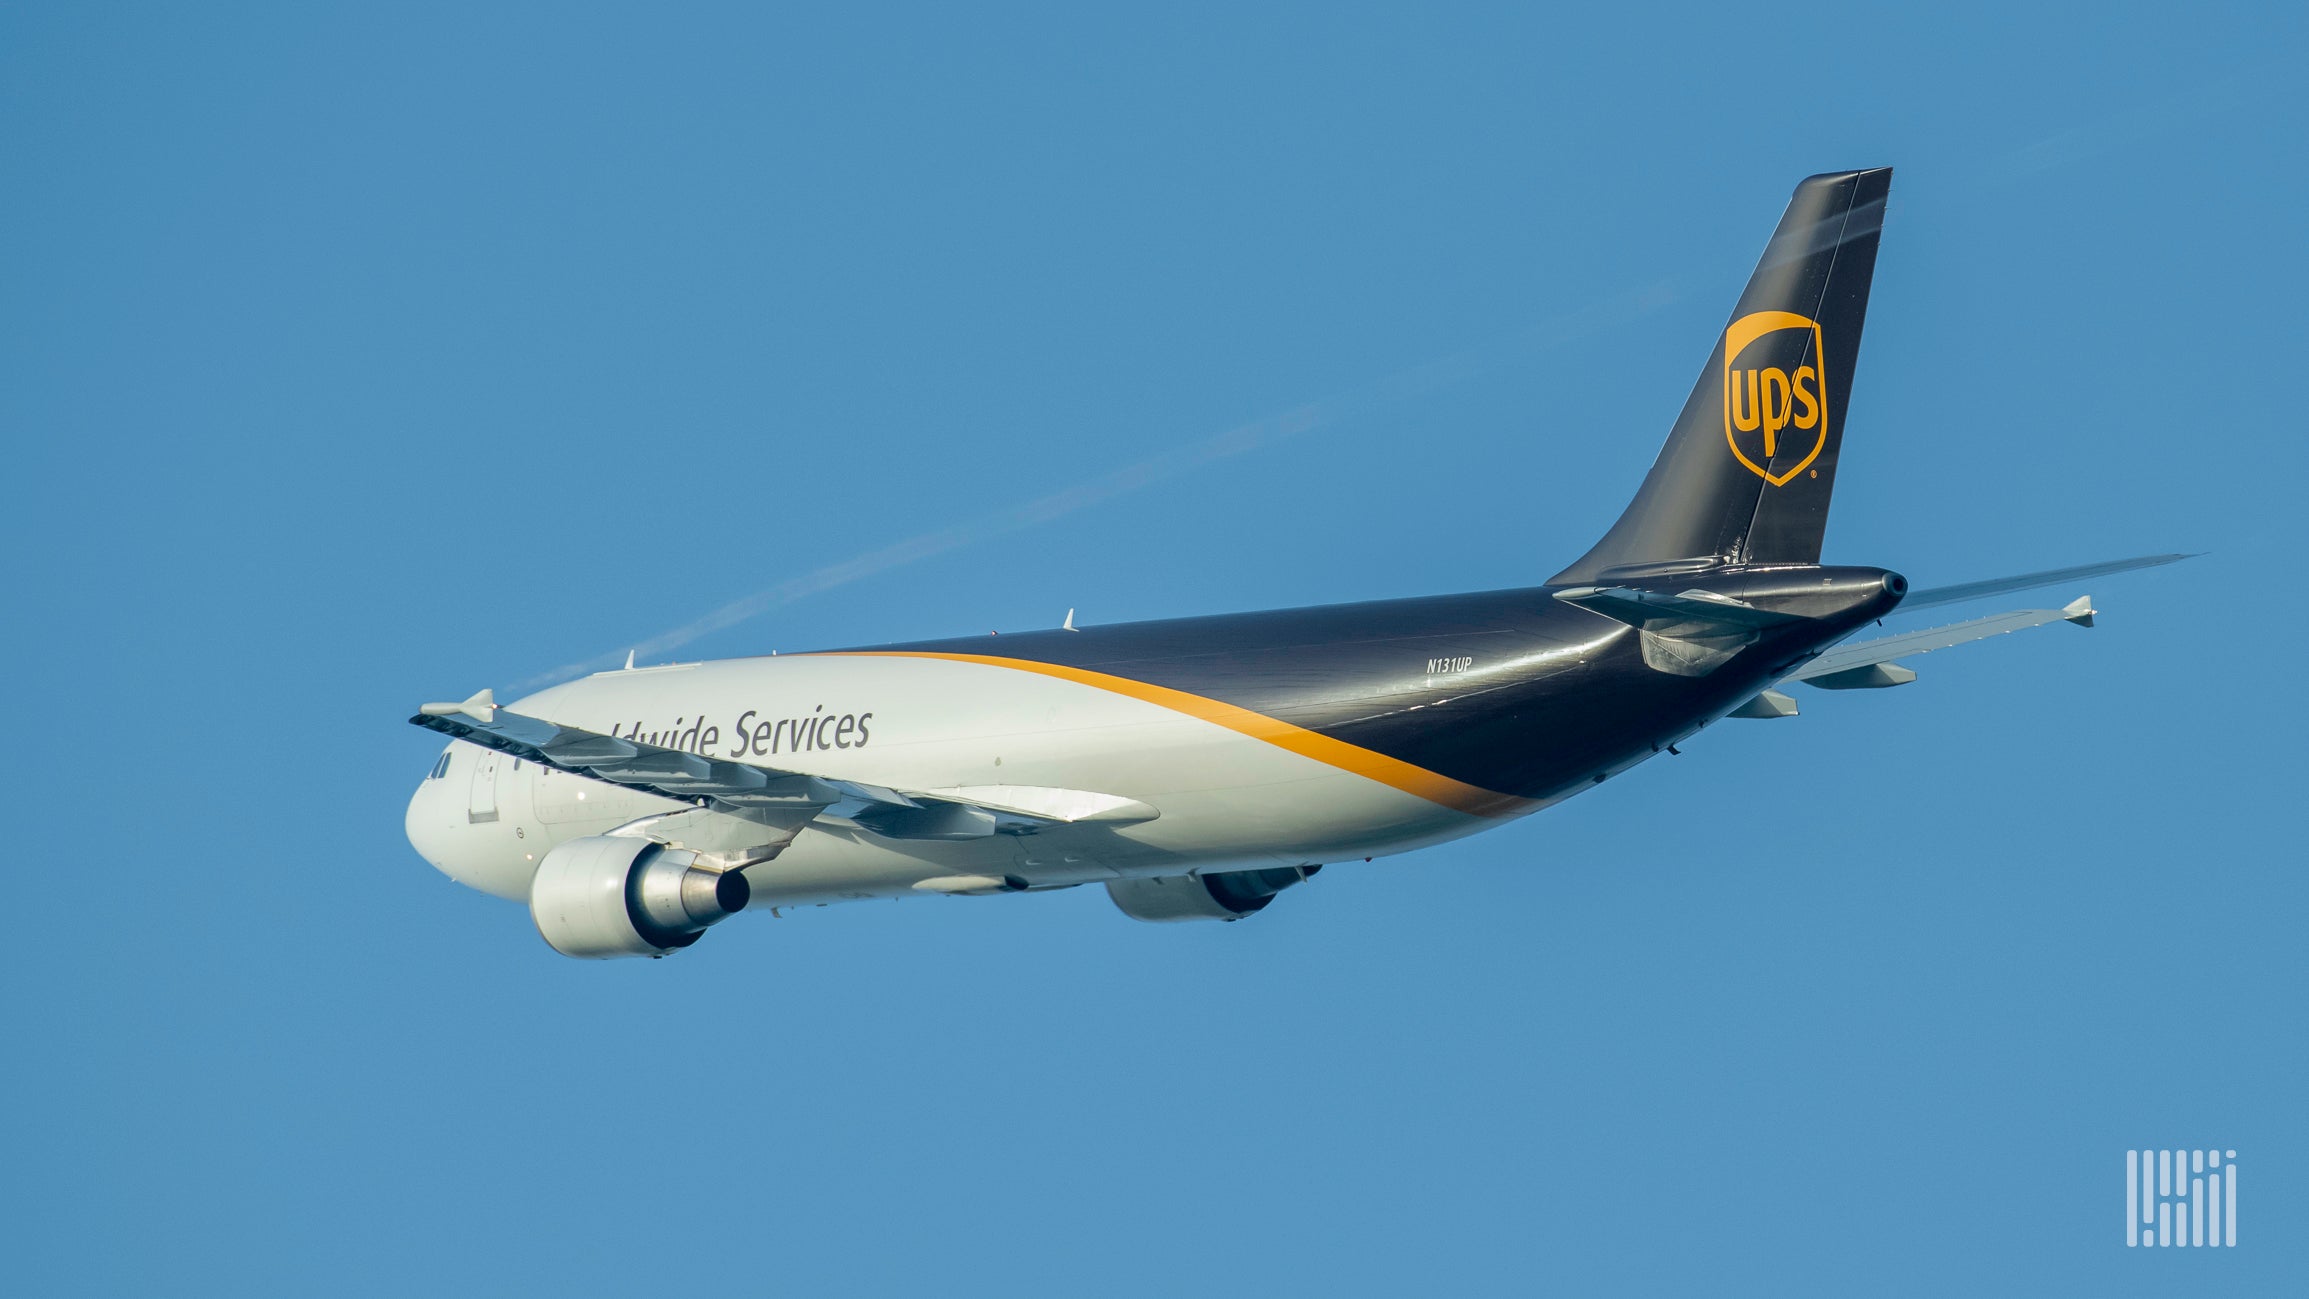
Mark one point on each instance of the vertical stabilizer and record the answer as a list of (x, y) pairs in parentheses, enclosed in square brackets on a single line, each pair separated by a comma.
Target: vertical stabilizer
[(1747, 471)]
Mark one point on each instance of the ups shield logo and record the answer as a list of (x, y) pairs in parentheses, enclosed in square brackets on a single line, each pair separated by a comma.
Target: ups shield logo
[(1775, 393)]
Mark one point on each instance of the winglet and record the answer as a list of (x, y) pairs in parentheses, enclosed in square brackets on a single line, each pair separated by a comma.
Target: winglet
[(482, 707), (1068, 625), (2079, 611)]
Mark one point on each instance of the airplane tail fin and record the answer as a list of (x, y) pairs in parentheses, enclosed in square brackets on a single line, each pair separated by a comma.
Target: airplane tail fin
[(1747, 471)]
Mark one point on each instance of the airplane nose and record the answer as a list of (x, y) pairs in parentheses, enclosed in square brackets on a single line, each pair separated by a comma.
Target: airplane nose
[(437, 828), (428, 831)]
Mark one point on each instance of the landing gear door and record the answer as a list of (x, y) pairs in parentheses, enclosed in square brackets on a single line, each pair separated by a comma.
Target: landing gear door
[(483, 802)]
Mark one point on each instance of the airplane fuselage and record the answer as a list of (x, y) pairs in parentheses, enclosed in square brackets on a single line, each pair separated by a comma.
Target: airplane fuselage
[(1288, 738), (1200, 766)]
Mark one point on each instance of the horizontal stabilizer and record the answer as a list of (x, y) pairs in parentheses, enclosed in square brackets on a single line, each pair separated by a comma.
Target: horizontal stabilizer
[(1846, 667), (1691, 613), (1689, 634), (1962, 591)]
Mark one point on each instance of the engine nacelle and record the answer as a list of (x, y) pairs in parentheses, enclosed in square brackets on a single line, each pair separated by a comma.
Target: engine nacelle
[(1226, 895), (607, 895)]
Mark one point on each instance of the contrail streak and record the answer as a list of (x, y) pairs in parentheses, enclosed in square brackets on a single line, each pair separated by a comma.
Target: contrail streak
[(1443, 372), (2176, 113), (1057, 504)]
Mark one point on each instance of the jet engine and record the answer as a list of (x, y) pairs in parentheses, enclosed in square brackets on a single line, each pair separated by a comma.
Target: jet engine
[(1225, 895), (607, 895)]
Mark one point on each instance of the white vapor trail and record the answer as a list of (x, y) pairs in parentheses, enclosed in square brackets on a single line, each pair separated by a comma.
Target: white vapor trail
[(1556, 331)]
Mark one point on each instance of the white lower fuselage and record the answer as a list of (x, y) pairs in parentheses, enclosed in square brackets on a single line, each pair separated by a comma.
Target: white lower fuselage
[(1223, 799)]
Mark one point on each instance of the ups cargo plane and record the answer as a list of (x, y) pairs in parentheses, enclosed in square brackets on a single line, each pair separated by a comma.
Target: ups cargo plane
[(1197, 767)]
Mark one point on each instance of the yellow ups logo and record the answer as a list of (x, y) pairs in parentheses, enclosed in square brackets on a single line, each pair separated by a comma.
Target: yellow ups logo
[(1775, 393)]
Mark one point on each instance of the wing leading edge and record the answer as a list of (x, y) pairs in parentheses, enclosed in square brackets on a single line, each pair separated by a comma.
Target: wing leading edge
[(780, 799), (1932, 597)]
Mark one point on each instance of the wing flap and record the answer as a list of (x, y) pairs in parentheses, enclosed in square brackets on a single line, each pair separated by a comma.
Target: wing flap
[(1048, 804)]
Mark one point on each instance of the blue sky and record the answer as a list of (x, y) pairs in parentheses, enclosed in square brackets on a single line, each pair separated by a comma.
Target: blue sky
[(353, 357)]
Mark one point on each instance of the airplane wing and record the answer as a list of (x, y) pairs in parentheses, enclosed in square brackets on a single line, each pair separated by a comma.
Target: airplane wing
[(781, 799)]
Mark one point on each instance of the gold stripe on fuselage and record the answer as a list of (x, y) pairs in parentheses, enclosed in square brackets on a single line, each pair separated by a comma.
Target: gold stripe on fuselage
[(1411, 779)]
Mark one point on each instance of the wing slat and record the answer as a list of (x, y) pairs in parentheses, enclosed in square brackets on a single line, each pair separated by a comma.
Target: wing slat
[(734, 787)]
